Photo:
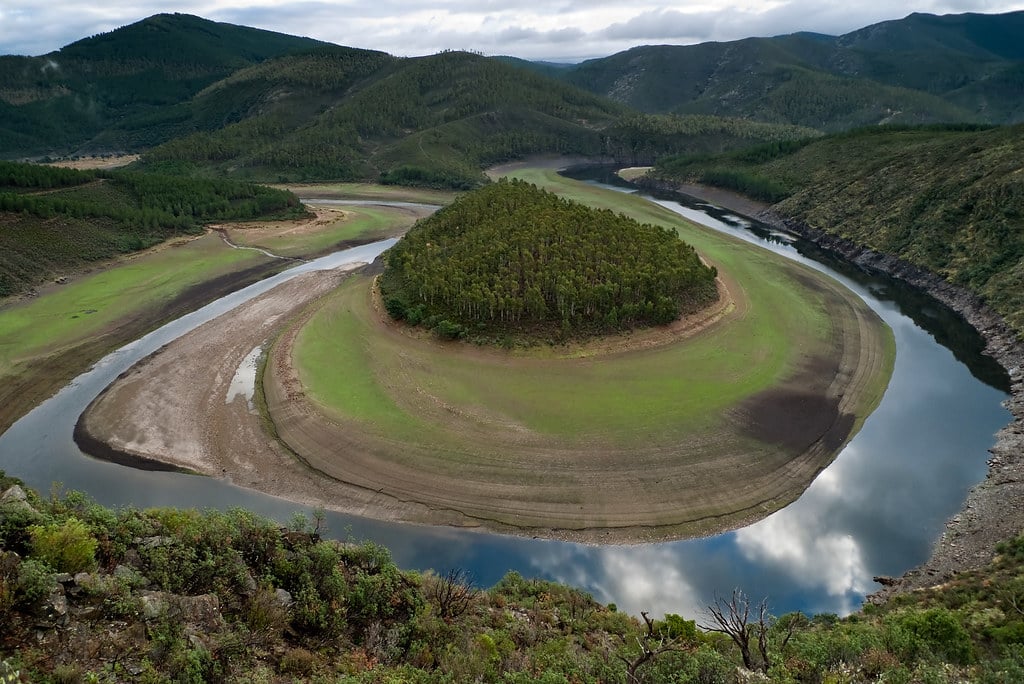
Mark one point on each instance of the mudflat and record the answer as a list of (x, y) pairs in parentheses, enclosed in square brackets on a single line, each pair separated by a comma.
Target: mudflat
[(680, 431), (472, 464)]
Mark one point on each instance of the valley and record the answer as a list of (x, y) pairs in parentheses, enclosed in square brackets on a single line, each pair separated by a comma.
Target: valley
[(810, 393)]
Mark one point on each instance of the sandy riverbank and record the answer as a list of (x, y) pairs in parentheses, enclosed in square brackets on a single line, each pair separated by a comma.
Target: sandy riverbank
[(178, 407)]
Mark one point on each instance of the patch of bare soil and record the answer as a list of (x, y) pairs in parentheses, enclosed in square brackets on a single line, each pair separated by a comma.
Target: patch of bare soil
[(42, 377), (173, 407), (176, 406), (256, 234), (83, 163)]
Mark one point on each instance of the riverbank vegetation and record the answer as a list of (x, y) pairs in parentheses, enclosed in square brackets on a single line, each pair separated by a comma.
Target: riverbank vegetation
[(57, 220), (48, 338), (949, 199), (511, 259), (89, 593)]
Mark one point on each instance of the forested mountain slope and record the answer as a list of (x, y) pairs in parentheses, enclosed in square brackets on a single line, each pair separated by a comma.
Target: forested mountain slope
[(948, 199), (923, 68), (210, 99), (57, 103), (432, 119)]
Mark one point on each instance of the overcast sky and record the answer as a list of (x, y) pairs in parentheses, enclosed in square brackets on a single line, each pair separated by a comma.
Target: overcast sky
[(566, 30)]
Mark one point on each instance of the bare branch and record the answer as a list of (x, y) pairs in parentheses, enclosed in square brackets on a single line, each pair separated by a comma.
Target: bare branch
[(452, 593), (732, 618)]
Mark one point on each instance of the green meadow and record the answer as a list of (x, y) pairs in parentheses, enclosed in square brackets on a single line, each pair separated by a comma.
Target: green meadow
[(358, 368)]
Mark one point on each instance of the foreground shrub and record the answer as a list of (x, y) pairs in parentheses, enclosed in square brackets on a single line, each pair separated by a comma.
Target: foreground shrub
[(65, 547)]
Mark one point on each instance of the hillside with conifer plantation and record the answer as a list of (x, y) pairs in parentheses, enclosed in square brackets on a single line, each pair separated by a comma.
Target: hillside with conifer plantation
[(919, 69), (947, 199)]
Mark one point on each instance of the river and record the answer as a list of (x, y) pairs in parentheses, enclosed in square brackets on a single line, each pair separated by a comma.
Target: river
[(875, 511)]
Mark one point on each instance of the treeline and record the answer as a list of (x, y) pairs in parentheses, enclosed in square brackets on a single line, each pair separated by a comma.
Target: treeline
[(433, 121), (178, 595), (56, 218), (511, 256), (947, 198), (15, 176), (642, 139)]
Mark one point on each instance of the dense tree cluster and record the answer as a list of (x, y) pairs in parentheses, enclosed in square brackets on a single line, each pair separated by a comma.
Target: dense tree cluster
[(642, 139), (15, 176), (511, 257), (58, 218)]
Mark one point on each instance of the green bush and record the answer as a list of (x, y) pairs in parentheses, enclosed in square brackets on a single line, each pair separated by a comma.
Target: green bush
[(936, 632), (65, 547), (35, 581), (10, 565)]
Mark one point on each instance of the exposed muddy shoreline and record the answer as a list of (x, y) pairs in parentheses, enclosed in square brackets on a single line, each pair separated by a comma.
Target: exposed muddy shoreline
[(994, 509)]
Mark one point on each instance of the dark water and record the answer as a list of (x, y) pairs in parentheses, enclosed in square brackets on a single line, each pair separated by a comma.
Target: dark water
[(875, 511)]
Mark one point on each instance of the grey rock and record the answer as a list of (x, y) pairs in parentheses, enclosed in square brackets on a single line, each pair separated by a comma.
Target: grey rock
[(14, 499), (283, 597), (154, 604)]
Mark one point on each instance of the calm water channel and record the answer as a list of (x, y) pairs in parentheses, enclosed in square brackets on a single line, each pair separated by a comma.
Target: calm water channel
[(875, 511)]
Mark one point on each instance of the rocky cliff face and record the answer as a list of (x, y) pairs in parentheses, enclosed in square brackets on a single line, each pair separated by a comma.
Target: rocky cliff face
[(994, 510)]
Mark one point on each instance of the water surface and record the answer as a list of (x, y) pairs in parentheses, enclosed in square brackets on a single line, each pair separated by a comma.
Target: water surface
[(875, 511)]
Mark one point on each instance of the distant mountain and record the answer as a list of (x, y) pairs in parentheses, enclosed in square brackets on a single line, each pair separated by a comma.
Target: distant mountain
[(58, 102), (433, 120), (924, 68), (205, 98)]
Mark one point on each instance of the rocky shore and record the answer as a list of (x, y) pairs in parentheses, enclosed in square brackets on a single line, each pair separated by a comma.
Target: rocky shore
[(994, 509)]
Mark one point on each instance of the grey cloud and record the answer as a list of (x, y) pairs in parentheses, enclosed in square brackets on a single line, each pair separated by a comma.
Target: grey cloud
[(518, 33), (493, 26), (663, 24)]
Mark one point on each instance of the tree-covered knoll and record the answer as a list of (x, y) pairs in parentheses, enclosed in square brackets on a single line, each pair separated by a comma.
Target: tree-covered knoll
[(949, 199), (94, 594), (512, 257), (55, 219)]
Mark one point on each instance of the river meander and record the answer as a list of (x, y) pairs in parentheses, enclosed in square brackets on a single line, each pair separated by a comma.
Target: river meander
[(875, 511)]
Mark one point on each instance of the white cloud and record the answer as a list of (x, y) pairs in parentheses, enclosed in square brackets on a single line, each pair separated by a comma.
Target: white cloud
[(560, 29)]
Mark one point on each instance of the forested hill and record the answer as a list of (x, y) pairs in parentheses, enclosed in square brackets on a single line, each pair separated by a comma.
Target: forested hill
[(945, 198), (433, 120), (920, 69), (512, 259), (209, 99), (212, 99), (53, 219), (57, 103)]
